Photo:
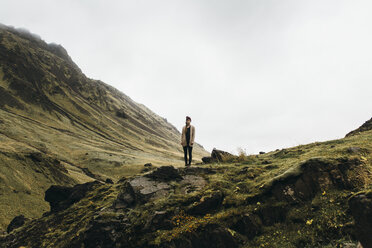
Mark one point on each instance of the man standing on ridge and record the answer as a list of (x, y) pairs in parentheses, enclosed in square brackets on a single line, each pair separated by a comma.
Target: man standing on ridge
[(187, 139)]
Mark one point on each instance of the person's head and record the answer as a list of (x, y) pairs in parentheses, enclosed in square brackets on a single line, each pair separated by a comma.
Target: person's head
[(188, 120)]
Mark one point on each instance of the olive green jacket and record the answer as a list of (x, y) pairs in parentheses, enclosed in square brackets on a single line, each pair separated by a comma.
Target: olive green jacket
[(192, 135)]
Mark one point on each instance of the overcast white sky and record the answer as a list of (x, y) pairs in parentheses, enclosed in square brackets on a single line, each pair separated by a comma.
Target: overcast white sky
[(254, 74)]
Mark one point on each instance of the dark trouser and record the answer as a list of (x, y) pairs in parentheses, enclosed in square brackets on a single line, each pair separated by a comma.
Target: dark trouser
[(185, 148)]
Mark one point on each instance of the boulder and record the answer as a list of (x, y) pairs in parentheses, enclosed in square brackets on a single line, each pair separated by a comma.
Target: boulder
[(149, 188), (109, 181), (126, 197), (165, 173), (207, 160), (16, 222), (207, 204), (249, 225), (61, 197), (217, 156), (147, 167), (121, 113), (104, 231), (220, 155), (159, 220), (192, 183)]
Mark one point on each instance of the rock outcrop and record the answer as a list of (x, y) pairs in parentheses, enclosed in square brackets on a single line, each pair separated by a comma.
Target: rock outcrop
[(207, 204), (218, 156), (164, 173), (361, 208), (61, 197), (302, 182)]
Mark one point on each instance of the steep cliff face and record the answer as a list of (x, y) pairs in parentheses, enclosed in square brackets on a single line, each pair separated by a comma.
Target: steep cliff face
[(314, 195), (58, 126)]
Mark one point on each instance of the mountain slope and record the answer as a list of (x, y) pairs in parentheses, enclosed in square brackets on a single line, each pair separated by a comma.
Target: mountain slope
[(58, 126), (365, 127), (303, 196)]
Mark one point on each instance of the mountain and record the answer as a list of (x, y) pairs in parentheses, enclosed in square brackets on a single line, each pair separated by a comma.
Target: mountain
[(313, 195), (59, 127)]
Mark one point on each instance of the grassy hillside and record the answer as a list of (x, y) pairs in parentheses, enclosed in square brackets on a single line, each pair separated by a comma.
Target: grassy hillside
[(58, 126), (293, 197)]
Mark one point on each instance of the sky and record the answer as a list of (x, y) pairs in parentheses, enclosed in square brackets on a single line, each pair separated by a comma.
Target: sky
[(254, 75)]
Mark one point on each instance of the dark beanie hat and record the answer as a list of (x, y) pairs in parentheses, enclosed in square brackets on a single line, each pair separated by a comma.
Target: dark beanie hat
[(188, 117)]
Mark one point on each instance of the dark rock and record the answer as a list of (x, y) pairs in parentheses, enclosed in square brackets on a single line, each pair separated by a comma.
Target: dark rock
[(159, 220), (103, 231), (249, 225), (126, 197), (217, 156), (261, 152), (207, 204), (148, 167), (61, 197), (35, 156), (361, 209), (165, 173), (220, 155), (149, 188), (207, 160), (16, 222), (302, 182), (120, 113), (109, 180), (192, 183)]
